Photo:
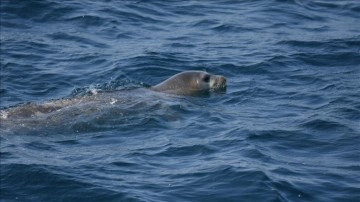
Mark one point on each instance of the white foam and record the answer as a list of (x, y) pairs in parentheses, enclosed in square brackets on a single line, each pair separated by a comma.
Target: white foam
[(93, 90), (4, 114), (113, 101)]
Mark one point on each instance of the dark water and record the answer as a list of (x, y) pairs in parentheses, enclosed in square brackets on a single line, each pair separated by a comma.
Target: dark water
[(287, 129)]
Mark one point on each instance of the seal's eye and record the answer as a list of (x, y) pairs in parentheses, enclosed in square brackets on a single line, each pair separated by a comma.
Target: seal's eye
[(206, 78)]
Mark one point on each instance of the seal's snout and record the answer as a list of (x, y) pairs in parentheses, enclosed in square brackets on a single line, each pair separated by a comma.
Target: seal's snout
[(222, 81), (219, 83)]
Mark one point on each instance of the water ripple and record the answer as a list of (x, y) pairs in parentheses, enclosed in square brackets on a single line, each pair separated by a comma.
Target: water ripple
[(286, 129)]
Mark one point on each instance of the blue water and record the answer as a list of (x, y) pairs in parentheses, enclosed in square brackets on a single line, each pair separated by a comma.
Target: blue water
[(287, 128)]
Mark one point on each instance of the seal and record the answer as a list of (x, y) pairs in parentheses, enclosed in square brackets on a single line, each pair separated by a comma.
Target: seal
[(191, 83)]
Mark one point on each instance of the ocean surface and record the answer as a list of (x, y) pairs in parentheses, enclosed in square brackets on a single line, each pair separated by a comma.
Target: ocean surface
[(286, 129)]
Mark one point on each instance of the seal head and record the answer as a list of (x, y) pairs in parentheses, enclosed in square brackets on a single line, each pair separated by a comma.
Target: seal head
[(192, 83)]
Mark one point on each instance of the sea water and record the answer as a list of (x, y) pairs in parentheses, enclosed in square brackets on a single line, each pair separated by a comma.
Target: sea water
[(287, 128)]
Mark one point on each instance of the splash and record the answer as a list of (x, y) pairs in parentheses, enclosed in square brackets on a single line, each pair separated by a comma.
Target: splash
[(4, 114)]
